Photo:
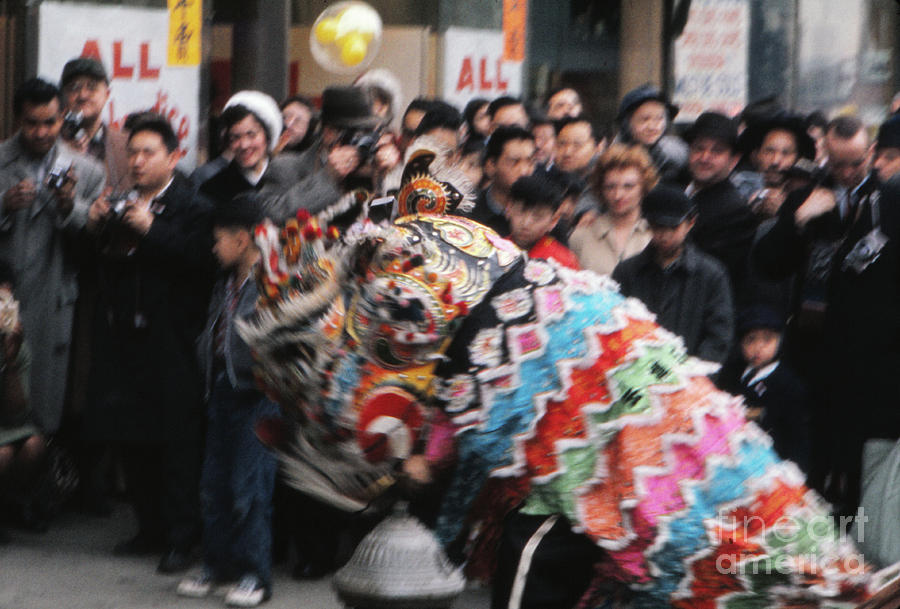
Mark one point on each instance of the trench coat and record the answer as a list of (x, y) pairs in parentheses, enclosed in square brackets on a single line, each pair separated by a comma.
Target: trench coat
[(40, 246)]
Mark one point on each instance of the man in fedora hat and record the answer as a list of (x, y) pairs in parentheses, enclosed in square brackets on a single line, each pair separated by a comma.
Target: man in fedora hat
[(725, 225), (774, 144), (323, 170)]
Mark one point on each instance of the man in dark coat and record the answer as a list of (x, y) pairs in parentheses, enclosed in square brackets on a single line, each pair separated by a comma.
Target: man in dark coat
[(145, 388), (725, 225), (508, 156), (842, 240)]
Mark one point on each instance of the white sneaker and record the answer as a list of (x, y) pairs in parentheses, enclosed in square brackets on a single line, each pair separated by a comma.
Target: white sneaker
[(195, 586), (249, 592)]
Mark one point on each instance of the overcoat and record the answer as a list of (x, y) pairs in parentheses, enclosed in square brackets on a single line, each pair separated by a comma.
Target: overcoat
[(40, 246), (145, 385)]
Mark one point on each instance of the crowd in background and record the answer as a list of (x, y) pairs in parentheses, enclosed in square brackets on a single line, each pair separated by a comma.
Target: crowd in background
[(768, 241)]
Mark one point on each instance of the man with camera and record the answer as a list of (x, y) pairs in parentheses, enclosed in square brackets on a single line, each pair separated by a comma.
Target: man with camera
[(45, 190), (841, 236), (346, 148), (774, 146), (144, 394), (85, 88)]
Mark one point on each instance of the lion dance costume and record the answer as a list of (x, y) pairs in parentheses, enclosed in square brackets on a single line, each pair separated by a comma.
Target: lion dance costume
[(566, 399)]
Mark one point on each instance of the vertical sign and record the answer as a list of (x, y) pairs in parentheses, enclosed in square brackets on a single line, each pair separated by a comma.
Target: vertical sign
[(515, 19), (134, 54), (473, 66), (185, 21), (711, 58)]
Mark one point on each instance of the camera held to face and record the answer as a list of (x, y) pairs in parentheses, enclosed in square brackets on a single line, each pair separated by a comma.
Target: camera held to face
[(73, 125), (364, 140)]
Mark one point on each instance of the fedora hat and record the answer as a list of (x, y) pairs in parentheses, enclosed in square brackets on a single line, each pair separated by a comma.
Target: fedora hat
[(347, 108)]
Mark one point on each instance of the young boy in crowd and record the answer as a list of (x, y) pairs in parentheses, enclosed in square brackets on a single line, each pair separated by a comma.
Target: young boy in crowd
[(533, 211), (776, 397), (686, 289), (238, 471)]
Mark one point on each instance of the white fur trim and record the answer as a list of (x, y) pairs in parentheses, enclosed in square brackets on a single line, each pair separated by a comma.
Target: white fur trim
[(264, 108)]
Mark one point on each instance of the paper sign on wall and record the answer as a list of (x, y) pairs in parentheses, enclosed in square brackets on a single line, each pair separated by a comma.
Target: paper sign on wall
[(185, 23)]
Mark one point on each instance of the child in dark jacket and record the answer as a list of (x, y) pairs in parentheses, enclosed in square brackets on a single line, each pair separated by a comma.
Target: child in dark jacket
[(238, 471), (776, 397)]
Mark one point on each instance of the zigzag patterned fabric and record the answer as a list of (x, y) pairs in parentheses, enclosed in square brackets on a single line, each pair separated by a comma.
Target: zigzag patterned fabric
[(566, 397), (579, 392)]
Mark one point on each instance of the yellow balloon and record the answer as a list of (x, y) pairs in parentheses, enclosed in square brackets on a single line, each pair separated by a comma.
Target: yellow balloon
[(353, 49), (326, 30)]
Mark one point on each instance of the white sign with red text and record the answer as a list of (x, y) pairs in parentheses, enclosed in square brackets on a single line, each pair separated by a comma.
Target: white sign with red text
[(711, 58), (131, 44), (473, 66)]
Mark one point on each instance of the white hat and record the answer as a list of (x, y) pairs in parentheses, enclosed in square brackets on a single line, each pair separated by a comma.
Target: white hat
[(264, 108)]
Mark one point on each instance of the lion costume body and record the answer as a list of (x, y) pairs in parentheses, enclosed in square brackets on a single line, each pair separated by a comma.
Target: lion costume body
[(566, 398)]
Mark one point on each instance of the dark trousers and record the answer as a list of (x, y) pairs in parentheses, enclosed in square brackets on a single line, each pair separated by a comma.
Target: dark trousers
[(237, 484), (162, 483), (561, 566)]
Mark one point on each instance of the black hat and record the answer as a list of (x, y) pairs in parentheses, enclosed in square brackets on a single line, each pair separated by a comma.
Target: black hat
[(761, 109), (889, 133), (83, 66), (752, 137), (638, 96), (713, 125), (667, 205), (347, 108), (759, 316)]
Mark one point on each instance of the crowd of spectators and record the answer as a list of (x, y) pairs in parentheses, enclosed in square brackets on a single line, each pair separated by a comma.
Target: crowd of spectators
[(768, 241)]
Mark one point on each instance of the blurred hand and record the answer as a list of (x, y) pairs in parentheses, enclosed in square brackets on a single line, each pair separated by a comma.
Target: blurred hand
[(20, 196), (138, 217), (387, 154), (99, 209), (418, 469), (768, 201), (65, 194), (342, 161), (820, 201)]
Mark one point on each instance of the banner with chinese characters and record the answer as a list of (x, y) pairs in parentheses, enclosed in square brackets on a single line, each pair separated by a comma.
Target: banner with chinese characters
[(185, 23), (711, 58), (515, 24), (134, 55)]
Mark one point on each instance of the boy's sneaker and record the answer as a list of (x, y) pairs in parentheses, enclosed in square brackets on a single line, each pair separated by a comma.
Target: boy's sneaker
[(196, 586), (249, 592)]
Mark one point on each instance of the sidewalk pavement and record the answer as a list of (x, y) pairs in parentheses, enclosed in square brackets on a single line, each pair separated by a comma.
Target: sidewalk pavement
[(72, 567)]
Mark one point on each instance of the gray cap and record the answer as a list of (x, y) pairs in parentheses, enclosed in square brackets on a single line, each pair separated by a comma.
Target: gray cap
[(83, 66)]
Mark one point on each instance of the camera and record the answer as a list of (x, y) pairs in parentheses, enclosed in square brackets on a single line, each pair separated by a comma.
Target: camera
[(365, 141), (57, 175), (810, 171), (118, 203), (73, 125)]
